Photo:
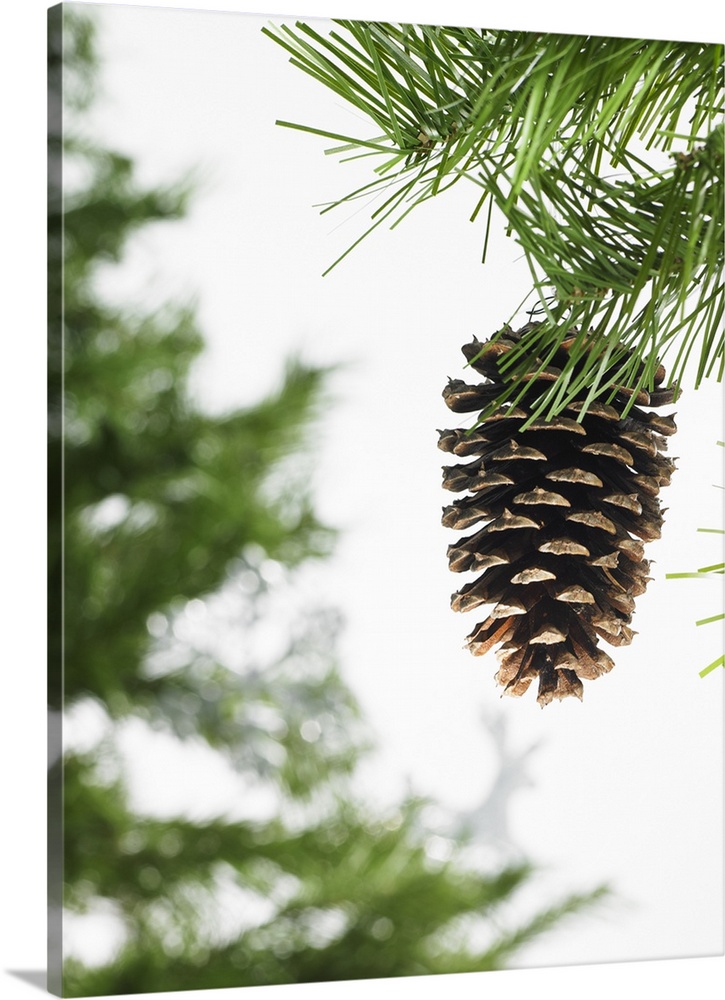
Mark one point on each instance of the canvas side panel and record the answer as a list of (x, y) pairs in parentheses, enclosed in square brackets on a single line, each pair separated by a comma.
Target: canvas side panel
[(55, 495)]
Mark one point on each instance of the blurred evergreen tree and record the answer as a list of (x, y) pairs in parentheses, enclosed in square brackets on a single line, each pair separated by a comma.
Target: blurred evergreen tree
[(161, 515)]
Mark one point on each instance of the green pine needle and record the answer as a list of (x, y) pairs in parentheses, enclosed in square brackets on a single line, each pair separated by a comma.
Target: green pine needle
[(719, 662), (706, 621), (703, 573)]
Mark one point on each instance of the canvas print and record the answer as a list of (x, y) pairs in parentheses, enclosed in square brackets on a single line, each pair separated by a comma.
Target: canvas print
[(385, 530)]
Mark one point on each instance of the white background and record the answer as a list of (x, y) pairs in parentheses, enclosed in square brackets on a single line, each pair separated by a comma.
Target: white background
[(634, 769)]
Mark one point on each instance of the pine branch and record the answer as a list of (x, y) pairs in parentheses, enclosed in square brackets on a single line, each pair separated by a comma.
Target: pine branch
[(568, 137)]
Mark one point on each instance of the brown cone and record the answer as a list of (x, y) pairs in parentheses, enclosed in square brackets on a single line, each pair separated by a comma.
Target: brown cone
[(559, 512)]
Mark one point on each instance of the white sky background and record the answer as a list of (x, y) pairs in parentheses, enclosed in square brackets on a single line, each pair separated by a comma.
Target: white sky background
[(626, 787)]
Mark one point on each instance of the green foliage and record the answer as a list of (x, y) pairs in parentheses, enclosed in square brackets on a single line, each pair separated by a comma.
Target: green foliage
[(352, 897), (716, 569), (166, 528), (149, 480), (604, 155)]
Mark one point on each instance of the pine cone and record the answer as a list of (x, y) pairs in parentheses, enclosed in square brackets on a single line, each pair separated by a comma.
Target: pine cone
[(566, 506)]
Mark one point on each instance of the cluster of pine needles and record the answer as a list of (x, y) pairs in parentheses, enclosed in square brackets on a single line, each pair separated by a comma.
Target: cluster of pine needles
[(605, 156)]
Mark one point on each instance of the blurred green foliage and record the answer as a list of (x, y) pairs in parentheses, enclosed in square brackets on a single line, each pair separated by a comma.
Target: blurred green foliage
[(165, 542)]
